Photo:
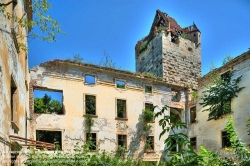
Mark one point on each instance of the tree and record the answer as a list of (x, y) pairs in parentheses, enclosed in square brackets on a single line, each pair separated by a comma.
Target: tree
[(227, 59), (218, 96), (49, 28), (46, 106)]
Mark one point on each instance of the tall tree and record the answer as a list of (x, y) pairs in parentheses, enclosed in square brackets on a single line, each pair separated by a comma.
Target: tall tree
[(49, 27), (46, 106)]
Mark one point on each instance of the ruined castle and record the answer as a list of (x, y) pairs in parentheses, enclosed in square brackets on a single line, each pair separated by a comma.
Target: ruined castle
[(168, 70)]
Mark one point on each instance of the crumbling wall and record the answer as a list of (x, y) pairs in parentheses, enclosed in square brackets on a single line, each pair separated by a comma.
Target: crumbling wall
[(12, 64), (208, 133), (69, 78)]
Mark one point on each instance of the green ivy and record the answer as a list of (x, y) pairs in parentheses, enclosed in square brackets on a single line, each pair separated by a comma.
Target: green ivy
[(242, 153), (147, 115), (218, 96), (143, 46), (248, 126)]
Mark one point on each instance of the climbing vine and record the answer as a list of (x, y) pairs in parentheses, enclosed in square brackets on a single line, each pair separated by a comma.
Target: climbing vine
[(242, 153), (248, 126), (218, 96)]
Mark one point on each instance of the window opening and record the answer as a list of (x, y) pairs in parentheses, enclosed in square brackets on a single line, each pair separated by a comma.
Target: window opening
[(13, 100), (226, 76), (149, 106), (89, 79), (120, 84), (90, 104), (149, 145), (175, 115), (48, 101), (54, 137), (225, 140), (193, 142), (148, 89), (122, 140), (193, 114), (176, 96), (91, 139), (121, 108)]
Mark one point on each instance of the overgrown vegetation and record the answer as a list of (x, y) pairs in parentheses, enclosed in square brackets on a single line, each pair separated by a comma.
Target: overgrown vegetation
[(218, 96), (184, 35), (185, 156), (248, 126), (147, 115), (227, 59), (161, 28), (47, 106), (107, 61), (48, 27), (80, 157), (143, 46), (194, 95), (242, 154)]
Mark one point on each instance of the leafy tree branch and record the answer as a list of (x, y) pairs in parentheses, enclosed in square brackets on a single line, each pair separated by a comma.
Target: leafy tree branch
[(218, 96)]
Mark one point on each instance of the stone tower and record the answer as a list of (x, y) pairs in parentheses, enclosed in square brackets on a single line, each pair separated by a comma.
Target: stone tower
[(170, 51)]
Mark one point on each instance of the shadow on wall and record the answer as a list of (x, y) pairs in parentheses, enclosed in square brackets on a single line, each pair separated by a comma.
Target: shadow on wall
[(136, 149)]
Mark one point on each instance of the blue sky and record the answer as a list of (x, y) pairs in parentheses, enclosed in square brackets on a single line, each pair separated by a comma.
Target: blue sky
[(115, 26)]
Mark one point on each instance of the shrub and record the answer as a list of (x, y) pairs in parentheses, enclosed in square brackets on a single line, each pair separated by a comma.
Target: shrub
[(143, 46), (147, 115)]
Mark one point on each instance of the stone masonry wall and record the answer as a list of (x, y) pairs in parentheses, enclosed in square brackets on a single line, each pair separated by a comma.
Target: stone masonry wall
[(181, 62), (150, 61), (178, 64)]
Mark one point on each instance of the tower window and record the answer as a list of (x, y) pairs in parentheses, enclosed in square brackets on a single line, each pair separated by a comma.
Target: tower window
[(190, 49)]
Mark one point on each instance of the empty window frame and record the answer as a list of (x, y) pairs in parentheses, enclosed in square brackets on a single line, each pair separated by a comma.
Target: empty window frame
[(148, 89), (48, 101), (226, 76), (149, 144), (175, 115), (13, 100), (149, 106), (176, 96), (120, 84), (121, 108), (193, 143), (122, 140), (89, 79), (90, 104), (193, 115), (91, 139), (50, 137), (225, 140), (175, 147)]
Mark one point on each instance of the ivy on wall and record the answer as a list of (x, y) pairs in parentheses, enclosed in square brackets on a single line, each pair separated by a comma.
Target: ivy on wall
[(219, 95)]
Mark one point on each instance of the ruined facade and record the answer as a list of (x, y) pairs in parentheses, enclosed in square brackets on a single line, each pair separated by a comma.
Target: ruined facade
[(211, 134), (110, 126), (115, 99), (14, 80)]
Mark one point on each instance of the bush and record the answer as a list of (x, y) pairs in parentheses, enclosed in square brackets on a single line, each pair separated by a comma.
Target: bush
[(147, 115)]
